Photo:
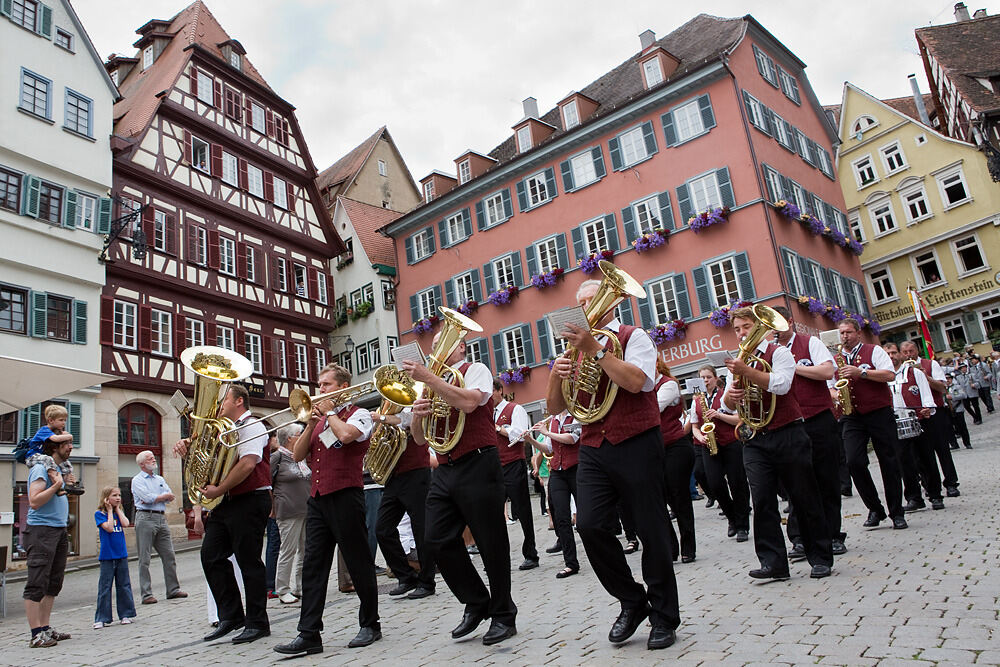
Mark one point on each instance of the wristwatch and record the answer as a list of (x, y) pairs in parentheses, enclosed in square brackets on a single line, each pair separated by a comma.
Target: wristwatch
[(381, 418), (331, 413), (600, 354), (864, 373)]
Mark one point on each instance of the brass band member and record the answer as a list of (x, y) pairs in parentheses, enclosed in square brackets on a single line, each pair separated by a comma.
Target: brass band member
[(406, 493), (334, 444), (778, 453), (679, 461), (564, 433), (727, 479), (467, 489), (621, 457), (511, 421), (869, 370), (813, 367), (237, 524)]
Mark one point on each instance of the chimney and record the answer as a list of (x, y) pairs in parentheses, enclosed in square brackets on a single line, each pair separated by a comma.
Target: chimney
[(647, 39), (961, 12), (980, 14), (918, 100), (530, 105)]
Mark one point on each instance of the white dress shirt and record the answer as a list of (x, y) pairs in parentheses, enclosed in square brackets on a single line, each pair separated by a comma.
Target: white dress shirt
[(253, 440), (478, 376), (898, 402), (781, 375), (880, 358), (640, 352), (519, 422), (818, 353), (668, 394)]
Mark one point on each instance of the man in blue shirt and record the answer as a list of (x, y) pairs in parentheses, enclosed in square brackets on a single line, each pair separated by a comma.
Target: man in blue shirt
[(47, 545), (151, 495)]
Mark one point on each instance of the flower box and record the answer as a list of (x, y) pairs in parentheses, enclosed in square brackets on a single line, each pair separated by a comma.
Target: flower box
[(705, 219), (549, 279), (515, 375), (503, 295), (650, 240)]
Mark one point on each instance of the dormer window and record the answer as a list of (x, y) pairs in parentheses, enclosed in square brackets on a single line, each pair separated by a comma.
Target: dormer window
[(428, 191), (570, 115), (523, 139), (147, 57), (862, 124), (235, 59), (464, 171), (651, 70), (114, 76)]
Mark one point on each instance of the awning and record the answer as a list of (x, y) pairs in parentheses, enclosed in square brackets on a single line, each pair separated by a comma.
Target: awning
[(26, 382)]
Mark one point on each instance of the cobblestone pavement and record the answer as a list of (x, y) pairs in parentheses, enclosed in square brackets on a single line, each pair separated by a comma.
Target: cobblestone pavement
[(928, 594)]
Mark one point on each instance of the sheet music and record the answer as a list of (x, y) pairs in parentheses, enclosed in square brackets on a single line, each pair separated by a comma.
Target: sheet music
[(409, 351), (718, 359), (558, 319), (694, 385)]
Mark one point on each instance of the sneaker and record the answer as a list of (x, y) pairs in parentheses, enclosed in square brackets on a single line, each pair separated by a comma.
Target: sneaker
[(126, 621), (271, 595), (59, 636), (511, 522), (98, 625), (42, 640), (472, 549), (288, 598)]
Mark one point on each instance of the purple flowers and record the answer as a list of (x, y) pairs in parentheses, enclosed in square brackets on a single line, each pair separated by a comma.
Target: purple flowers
[(816, 225), (836, 313), (816, 307), (424, 325), (503, 295), (588, 264), (549, 279), (819, 228), (874, 326), (663, 333), (706, 219), (788, 209), (720, 317), (650, 240), (469, 307), (515, 375), (855, 246)]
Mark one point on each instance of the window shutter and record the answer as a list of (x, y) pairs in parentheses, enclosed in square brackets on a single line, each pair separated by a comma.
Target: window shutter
[(213, 249), (515, 261), (829, 216), (467, 222), (498, 353), (561, 251), (701, 289), (598, 156), (269, 186), (437, 298), (768, 118), (790, 130), (32, 195), (409, 250), (145, 328), (79, 322), (707, 115), (681, 295), (749, 107), (845, 282), (774, 73), (828, 282), (186, 148), (248, 111), (193, 76), (107, 332), (211, 333), (217, 94), (684, 204), (480, 217), (312, 278), (771, 194), (669, 132), (626, 312), (611, 231), (567, 175), (477, 287), (488, 278), (522, 197), (148, 224), (267, 354), (5, 7), (645, 312), (544, 347), (760, 68), (578, 248), (104, 216), (973, 330), (808, 279), (45, 21), (788, 258), (430, 238), (39, 314), (666, 212), (529, 345), (241, 342), (216, 162), (550, 183), (650, 137), (269, 122), (530, 254), (937, 339), (414, 308), (75, 410), (508, 208), (242, 170), (449, 293), (725, 187), (180, 334), (628, 222), (290, 195), (786, 187), (291, 369), (170, 234), (32, 419), (614, 148), (69, 210), (443, 233)]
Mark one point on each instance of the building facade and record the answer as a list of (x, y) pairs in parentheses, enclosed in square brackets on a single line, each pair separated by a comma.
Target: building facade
[(925, 208), (55, 178), (671, 164), (238, 238)]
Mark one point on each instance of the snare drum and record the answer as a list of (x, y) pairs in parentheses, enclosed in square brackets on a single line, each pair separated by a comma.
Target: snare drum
[(908, 427)]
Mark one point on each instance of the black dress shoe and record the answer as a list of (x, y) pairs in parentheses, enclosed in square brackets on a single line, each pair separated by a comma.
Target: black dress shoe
[(732, 531), (528, 564), (687, 559), (300, 646), (420, 592), (710, 503), (365, 637), (498, 632), (402, 589), (952, 491), (797, 553), (567, 572), (554, 549), (899, 523), (251, 635), (470, 622), (874, 519), (913, 505), (660, 637), (820, 571), (768, 573), (838, 548), (631, 547), (742, 535), (223, 629), (937, 503), (846, 492), (627, 623)]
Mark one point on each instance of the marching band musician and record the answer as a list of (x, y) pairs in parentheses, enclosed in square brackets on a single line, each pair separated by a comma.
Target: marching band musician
[(334, 443), (869, 370), (236, 526), (814, 366), (467, 489), (563, 433), (621, 457), (678, 461), (779, 452), (724, 471), (911, 396), (406, 493), (512, 421)]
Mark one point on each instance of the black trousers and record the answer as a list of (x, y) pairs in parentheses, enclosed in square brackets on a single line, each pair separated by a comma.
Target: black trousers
[(920, 465), (627, 519), (700, 477), (827, 450), (961, 429), (942, 432), (332, 520), (972, 406), (470, 492), (515, 482), (987, 398), (880, 427), (678, 463), (405, 493), (236, 527), (785, 456), (562, 485), (632, 471), (727, 480)]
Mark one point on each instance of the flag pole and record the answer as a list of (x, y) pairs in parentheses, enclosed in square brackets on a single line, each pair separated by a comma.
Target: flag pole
[(922, 316)]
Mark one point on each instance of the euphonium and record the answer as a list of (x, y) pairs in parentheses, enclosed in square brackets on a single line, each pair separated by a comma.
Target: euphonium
[(753, 415), (707, 427), (843, 386), (212, 452), (440, 433), (388, 441), (615, 287)]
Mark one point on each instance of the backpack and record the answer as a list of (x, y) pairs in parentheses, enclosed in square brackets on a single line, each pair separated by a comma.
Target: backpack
[(21, 451)]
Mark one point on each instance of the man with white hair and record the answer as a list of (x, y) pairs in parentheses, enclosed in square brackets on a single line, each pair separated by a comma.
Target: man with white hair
[(290, 484), (151, 495)]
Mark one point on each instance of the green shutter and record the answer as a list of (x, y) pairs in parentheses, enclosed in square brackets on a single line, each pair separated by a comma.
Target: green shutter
[(744, 277), (598, 157), (666, 212), (725, 187), (414, 308), (529, 345), (973, 330), (561, 251), (104, 216), (684, 203), (409, 249), (515, 260), (508, 208), (707, 115), (614, 148), (567, 175), (550, 183), (32, 420), (937, 339), (669, 133), (73, 423), (543, 338), (39, 314), (611, 231), (578, 248), (45, 21), (645, 311), (443, 233), (449, 293), (788, 258), (625, 312), (80, 322), (628, 221), (681, 296), (649, 136), (701, 289), (477, 287), (5, 7), (522, 197), (69, 211), (32, 194), (498, 352), (531, 255), (467, 222), (480, 216), (488, 278)]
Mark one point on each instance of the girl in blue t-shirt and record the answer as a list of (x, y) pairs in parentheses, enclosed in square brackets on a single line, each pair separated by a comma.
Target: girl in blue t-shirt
[(111, 521)]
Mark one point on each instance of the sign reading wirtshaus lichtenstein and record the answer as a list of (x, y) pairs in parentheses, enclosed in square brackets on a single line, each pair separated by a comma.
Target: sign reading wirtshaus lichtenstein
[(935, 298)]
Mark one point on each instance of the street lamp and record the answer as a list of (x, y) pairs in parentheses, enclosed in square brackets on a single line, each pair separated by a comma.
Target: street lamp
[(348, 344)]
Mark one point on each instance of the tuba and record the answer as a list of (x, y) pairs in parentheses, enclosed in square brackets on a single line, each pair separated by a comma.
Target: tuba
[(616, 286), (753, 414), (212, 452), (388, 441)]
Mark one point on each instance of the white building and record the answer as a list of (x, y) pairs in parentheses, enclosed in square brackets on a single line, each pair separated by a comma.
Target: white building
[(55, 178)]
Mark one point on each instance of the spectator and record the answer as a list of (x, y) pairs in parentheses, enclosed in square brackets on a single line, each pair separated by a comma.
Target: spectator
[(290, 483), (54, 430), (111, 521), (273, 546), (151, 495)]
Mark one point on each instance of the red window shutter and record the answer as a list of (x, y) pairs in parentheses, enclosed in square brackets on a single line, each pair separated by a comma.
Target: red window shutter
[(266, 343), (313, 283), (171, 233), (211, 334), (217, 96), (192, 242), (268, 186), (250, 257), (269, 122), (187, 146), (194, 81), (290, 195), (241, 342), (213, 249), (290, 368), (148, 224), (241, 260), (145, 328), (329, 288), (243, 174), (216, 164), (180, 334), (249, 111), (107, 320)]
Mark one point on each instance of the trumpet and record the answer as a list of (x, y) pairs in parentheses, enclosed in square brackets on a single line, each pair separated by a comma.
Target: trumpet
[(843, 385), (708, 428)]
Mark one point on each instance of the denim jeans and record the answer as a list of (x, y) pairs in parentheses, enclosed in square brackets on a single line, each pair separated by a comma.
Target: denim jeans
[(114, 570), (271, 555)]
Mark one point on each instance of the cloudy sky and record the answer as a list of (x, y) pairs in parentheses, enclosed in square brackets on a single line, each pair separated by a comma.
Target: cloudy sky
[(449, 75)]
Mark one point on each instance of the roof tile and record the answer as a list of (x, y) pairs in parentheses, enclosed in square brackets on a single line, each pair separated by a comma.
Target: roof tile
[(963, 50), (366, 220)]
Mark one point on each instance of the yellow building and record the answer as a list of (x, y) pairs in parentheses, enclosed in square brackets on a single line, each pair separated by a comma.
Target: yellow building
[(927, 212)]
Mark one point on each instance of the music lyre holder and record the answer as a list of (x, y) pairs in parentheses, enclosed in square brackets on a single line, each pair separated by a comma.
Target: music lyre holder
[(120, 224)]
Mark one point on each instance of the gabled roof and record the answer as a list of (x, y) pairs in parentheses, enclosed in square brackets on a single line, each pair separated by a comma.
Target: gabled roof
[(346, 168), (906, 105), (965, 49), (82, 32), (366, 220)]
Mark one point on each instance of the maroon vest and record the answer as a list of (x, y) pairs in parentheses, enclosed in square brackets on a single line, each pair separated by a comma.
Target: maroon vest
[(911, 391), (480, 430), (564, 456), (813, 395), (335, 468), (868, 395), (786, 409), (630, 414), (258, 477), (724, 433), (508, 452), (925, 364), (414, 457), (670, 418)]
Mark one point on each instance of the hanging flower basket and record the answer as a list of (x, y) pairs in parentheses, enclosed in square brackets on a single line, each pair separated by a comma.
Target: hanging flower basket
[(503, 295), (468, 307), (817, 227), (855, 246), (589, 264), (836, 313), (361, 310), (549, 279), (788, 209), (650, 240), (425, 324), (720, 316), (705, 219), (663, 333), (515, 375)]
